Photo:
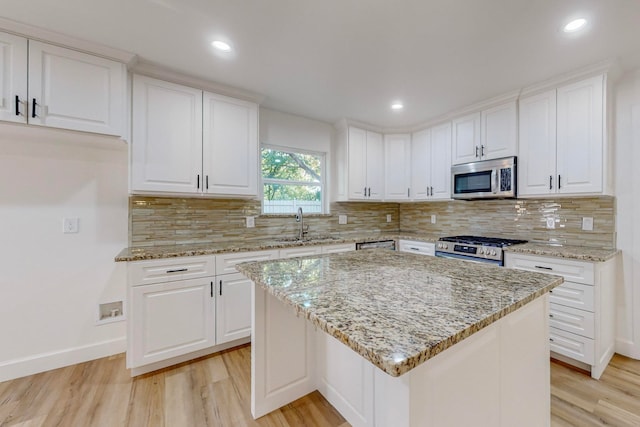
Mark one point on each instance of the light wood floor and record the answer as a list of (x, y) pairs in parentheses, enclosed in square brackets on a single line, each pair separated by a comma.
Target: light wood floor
[(215, 391)]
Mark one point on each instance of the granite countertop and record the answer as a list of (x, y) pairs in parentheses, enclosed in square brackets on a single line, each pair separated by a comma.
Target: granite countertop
[(581, 253), (396, 309), (172, 251)]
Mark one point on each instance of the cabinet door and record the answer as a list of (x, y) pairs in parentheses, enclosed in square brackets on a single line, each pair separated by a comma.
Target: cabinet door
[(466, 139), (537, 160), (230, 146), (397, 166), (166, 146), (74, 90), (580, 137), (421, 164), (498, 132), (171, 319), (233, 307), (13, 78), (375, 166), (440, 187), (357, 154)]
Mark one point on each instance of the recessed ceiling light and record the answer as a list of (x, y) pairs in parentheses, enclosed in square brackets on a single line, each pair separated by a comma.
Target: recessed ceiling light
[(575, 25), (397, 106), (220, 45)]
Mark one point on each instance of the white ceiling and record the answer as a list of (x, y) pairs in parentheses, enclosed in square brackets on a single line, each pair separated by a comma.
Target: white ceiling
[(332, 59)]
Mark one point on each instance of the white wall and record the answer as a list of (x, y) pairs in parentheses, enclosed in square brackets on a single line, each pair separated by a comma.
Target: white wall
[(627, 161), (51, 283)]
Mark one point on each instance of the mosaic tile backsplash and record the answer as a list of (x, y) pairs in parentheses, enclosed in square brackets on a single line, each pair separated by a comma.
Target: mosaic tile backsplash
[(518, 219), (155, 221)]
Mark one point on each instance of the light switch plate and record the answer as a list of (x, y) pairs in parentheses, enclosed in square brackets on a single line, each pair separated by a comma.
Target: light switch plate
[(433, 219), (70, 225), (587, 223), (388, 217), (342, 219), (251, 221)]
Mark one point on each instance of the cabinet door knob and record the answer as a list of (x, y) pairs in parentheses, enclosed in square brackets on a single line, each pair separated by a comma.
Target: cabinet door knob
[(365, 192), (550, 182), (17, 105), (198, 182), (33, 108), (431, 191), (476, 151), (482, 151), (408, 192), (211, 289), (207, 179), (559, 182), (220, 286)]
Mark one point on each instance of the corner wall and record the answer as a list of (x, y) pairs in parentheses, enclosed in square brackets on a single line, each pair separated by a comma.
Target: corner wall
[(51, 283)]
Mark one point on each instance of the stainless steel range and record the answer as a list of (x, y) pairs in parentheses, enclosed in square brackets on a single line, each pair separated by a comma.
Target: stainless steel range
[(475, 248)]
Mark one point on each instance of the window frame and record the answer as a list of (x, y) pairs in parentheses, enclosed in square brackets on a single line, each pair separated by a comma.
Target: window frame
[(322, 184)]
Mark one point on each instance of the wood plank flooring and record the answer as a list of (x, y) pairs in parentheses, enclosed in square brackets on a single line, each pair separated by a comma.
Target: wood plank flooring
[(215, 391)]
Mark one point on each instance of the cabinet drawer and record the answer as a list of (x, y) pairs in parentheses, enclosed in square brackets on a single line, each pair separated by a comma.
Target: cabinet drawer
[(572, 345), (165, 270), (569, 319), (573, 271), (296, 252), (573, 295), (343, 247), (226, 263), (421, 248)]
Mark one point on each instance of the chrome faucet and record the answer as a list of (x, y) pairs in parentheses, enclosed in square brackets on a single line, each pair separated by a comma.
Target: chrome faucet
[(300, 219)]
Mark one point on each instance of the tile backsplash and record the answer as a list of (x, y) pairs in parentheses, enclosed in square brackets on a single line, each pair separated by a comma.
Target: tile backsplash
[(157, 221), (518, 219)]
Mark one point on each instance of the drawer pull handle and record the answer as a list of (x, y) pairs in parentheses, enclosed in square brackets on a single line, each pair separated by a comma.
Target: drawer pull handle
[(551, 315), (551, 339), (543, 267), (415, 249), (177, 270)]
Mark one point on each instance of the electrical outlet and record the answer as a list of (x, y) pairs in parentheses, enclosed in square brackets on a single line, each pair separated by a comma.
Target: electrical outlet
[(433, 219), (70, 225), (389, 218), (551, 223), (342, 219), (587, 223), (251, 221)]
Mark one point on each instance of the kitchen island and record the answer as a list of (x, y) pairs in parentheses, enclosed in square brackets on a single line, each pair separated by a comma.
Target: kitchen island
[(395, 339)]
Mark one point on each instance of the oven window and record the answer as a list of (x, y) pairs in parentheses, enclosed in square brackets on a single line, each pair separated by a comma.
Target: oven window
[(475, 182)]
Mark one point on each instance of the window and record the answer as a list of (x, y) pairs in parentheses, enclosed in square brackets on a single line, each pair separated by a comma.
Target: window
[(291, 179)]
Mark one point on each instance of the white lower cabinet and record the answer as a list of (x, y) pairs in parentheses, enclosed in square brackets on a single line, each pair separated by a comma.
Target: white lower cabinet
[(422, 248), (581, 310), (233, 295), (171, 319), (300, 251)]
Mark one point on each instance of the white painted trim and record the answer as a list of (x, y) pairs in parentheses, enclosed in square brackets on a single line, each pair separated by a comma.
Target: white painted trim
[(151, 69), (42, 362), (62, 40)]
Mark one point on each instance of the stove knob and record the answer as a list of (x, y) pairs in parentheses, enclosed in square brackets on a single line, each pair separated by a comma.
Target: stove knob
[(494, 253), (439, 246), (481, 251), (444, 246)]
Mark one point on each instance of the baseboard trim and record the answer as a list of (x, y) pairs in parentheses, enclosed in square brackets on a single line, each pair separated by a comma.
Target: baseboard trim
[(627, 348), (42, 362)]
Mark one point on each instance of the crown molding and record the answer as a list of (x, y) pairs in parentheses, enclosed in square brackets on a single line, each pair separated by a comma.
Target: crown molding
[(343, 124), (62, 40), (609, 67), (157, 71)]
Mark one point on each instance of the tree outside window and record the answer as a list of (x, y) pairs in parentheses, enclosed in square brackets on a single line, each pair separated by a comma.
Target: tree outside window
[(291, 179)]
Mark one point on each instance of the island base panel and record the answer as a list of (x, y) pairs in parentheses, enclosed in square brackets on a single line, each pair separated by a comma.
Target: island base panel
[(498, 376)]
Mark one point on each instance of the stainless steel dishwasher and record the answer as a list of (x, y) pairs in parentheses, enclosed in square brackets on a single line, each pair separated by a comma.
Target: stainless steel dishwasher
[(380, 244)]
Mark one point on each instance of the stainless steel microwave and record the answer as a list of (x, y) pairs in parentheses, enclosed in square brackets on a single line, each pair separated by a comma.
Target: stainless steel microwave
[(486, 179)]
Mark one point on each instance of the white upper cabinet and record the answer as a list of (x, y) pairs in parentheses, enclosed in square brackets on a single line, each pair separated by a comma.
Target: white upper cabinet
[(365, 164), (48, 85), (580, 137), (190, 143), (431, 163), (230, 145), (166, 149), (421, 164), (498, 131), (466, 139), (74, 90), (537, 129), (489, 134), (397, 165), (562, 140), (13, 78), (440, 185)]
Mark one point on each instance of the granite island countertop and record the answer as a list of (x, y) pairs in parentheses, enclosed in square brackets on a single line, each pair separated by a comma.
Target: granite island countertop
[(395, 309)]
